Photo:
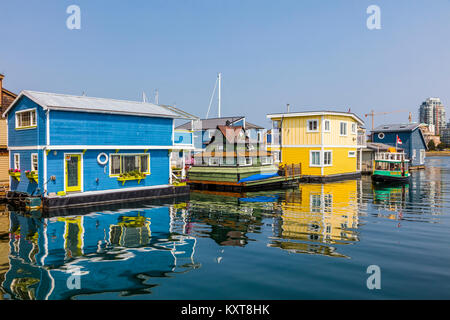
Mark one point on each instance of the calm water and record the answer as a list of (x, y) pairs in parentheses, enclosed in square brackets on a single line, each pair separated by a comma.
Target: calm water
[(314, 242)]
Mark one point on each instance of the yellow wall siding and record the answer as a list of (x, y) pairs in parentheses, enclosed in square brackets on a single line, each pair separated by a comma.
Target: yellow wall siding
[(3, 133), (300, 155), (294, 131), (4, 166), (334, 137), (341, 162)]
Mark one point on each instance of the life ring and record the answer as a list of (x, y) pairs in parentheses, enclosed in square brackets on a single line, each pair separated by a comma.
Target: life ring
[(100, 155)]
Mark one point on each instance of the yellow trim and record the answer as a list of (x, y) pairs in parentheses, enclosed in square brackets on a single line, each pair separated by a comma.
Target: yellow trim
[(25, 128), (130, 154), (77, 187)]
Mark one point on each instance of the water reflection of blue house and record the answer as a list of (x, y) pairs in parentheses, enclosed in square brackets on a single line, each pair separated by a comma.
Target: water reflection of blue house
[(117, 252)]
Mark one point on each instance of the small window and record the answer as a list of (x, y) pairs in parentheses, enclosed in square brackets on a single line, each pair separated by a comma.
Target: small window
[(312, 126), (381, 136), (26, 119), (245, 161), (276, 124), (352, 154), (353, 128), (16, 161), (314, 158), (34, 162), (327, 158), (126, 163), (326, 126), (343, 128)]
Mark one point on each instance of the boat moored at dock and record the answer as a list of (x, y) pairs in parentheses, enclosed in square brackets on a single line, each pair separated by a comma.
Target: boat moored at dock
[(391, 167)]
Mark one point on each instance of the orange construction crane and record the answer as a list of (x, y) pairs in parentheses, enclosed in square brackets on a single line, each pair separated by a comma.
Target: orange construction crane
[(373, 114)]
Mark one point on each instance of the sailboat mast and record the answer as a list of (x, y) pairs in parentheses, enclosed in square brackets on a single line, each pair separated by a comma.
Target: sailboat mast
[(220, 89)]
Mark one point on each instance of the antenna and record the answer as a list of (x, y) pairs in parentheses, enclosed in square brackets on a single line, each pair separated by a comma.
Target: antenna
[(220, 89)]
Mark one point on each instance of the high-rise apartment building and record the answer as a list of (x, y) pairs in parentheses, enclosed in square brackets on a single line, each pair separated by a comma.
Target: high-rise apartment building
[(432, 112)]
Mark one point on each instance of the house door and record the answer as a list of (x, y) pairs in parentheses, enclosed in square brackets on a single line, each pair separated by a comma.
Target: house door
[(73, 172)]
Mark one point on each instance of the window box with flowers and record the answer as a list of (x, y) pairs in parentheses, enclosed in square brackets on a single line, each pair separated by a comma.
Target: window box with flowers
[(133, 175), (15, 173), (32, 176)]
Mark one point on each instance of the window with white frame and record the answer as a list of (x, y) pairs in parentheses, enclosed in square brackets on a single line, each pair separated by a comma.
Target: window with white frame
[(343, 131), (326, 126), (352, 154), (266, 160), (353, 128), (327, 158), (276, 156), (26, 119), (34, 162), (242, 161), (16, 161), (314, 158), (312, 126), (125, 163)]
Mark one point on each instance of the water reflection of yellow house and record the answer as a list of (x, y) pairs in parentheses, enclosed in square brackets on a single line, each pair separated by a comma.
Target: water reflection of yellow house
[(317, 215)]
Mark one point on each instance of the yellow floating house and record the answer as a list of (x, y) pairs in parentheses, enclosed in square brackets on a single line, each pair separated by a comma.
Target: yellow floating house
[(328, 144)]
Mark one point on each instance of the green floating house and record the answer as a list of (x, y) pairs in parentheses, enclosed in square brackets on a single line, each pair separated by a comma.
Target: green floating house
[(233, 162)]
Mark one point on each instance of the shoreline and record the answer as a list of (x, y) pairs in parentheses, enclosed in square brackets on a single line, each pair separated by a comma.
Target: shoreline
[(437, 153)]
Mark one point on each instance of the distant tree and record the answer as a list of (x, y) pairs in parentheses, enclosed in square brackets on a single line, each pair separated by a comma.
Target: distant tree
[(431, 145)]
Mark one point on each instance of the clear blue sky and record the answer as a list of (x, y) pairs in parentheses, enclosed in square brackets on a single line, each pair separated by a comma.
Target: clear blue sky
[(313, 54)]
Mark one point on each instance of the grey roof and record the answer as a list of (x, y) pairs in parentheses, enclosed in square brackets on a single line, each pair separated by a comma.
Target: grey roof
[(212, 123), (396, 127), (100, 105), (378, 146)]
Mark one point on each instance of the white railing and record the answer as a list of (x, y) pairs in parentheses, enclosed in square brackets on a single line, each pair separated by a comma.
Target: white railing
[(393, 156)]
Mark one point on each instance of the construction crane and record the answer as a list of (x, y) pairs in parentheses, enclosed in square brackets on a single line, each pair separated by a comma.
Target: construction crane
[(373, 114)]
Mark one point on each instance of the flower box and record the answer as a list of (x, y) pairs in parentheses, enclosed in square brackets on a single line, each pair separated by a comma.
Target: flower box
[(131, 176), (32, 176), (15, 173)]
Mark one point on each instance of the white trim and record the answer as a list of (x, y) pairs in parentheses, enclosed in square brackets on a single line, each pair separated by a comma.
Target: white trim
[(44, 185), (82, 169), (340, 129), (307, 125), (322, 142), (84, 147), (356, 128), (310, 158), (314, 113), (48, 127), (323, 158), (329, 125), (31, 168), (31, 126), (14, 161)]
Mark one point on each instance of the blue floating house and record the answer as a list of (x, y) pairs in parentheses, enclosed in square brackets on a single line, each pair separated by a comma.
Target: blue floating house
[(76, 149), (411, 140)]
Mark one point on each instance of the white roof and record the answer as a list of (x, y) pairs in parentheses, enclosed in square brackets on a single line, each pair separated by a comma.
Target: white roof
[(65, 102), (314, 113)]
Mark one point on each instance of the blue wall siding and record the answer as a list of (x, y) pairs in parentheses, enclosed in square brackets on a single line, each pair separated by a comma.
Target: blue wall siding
[(83, 128), (159, 169), (24, 185), (410, 141), (26, 137)]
